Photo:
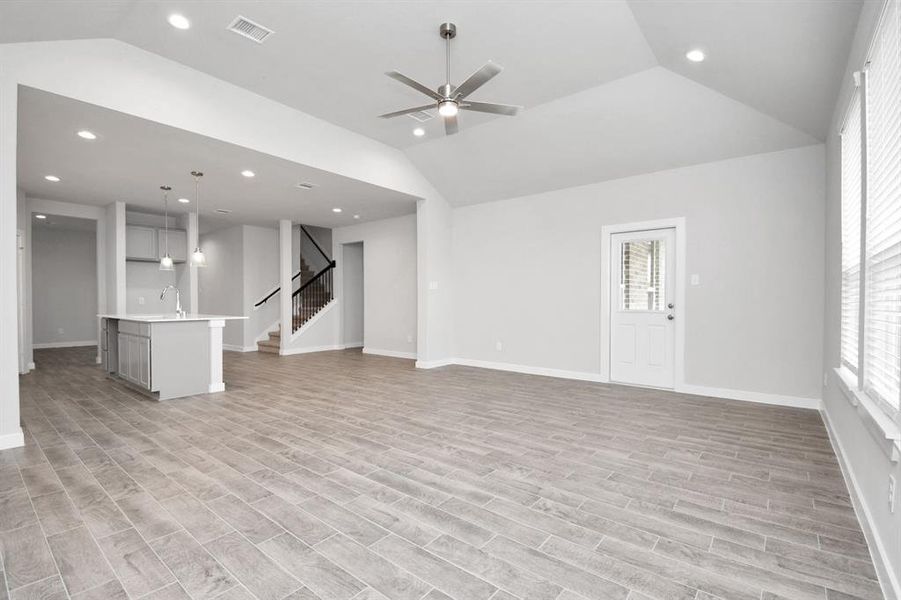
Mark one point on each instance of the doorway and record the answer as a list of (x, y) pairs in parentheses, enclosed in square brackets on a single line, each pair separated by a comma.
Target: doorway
[(353, 290), (643, 302)]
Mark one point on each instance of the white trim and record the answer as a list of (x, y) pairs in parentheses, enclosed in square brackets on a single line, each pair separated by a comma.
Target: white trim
[(216, 387), (12, 440), (679, 224), (698, 390), (434, 364), (891, 587), (290, 351), (236, 348), (391, 353), (748, 396), (880, 425), (331, 304), (528, 370), (31, 366), (78, 344), (353, 344)]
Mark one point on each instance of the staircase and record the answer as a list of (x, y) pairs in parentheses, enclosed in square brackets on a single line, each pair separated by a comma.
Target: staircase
[(314, 294)]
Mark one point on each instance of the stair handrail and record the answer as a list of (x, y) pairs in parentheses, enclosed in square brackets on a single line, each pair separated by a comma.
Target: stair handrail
[(331, 265), (274, 292), (315, 243)]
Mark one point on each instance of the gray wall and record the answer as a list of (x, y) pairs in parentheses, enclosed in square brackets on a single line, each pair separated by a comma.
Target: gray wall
[(260, 251), (867, 465), (353, 302), (221, 282), (527, 271), (64, 286)]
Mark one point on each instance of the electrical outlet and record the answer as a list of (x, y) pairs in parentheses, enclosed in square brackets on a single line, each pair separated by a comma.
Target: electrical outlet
[(141, 300), (695, 279), (499, 346), (825, 379), (409, 339), (891, 493), (60, 331)]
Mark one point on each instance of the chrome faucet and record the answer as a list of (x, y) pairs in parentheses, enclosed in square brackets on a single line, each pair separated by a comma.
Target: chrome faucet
[(179, 313)]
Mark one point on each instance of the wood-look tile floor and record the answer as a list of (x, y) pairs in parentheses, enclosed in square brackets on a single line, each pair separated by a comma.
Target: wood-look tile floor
[(344, 476)]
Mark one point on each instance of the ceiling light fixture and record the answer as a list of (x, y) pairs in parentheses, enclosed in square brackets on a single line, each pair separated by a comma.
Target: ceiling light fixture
[(336, 210), (448, 108), (52, 178), (419, 132), (248, 173), (198, 258), (166, 263), (42, 217), (87, 135), (696, 55), (179, 21), (356, 216), (184, 200)]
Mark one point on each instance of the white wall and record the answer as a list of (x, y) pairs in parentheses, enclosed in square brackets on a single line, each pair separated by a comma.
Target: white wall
[(867, 466), (23, 227), (221, 282), (352, 256), (389, 288), (527, 271), (64, 286), (260, 277)]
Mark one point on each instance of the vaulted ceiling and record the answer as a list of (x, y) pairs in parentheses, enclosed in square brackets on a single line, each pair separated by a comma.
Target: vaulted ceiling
[(605, 84)]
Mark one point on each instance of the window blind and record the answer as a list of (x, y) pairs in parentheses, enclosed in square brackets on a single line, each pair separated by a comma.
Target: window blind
[(850, 300), (882, 313)]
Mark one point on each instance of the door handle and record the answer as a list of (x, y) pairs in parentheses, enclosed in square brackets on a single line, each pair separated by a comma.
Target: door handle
[(670, 317)]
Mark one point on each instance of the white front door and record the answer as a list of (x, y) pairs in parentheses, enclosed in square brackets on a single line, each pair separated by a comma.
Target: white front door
[(642, 307)]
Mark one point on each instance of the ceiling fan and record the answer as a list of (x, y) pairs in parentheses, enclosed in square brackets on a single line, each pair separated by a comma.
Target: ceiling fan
[(449, 99)]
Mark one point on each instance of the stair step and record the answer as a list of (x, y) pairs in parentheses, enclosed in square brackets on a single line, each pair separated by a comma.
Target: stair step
[(267, 349), (269, 343)]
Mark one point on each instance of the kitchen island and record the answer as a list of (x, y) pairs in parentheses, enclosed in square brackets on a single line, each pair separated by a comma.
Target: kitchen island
[(165, 356)]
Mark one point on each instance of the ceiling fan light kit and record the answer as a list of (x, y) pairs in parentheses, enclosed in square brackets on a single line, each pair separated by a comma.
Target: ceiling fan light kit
[(450, 99)]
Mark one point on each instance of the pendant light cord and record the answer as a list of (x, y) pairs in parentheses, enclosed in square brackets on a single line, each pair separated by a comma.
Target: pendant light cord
[(166, 189)]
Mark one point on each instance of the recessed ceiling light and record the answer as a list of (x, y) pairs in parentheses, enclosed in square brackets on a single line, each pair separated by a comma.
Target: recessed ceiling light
[(304, 185), (697, 55), (336, 210), (88, 135), (248, 173), (179, 21), (184, 200), (52, 178), (40, 216), (356, 216), (419, 132)]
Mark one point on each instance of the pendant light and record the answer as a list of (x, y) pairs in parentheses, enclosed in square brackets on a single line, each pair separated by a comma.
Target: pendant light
[(198, 258), (166, 263)]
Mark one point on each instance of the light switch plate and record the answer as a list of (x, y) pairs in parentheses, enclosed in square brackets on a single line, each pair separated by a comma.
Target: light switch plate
[(695, 279), (433, 285)]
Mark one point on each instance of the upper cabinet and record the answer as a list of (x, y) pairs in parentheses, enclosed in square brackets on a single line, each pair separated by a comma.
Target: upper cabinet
[(178, 244), (149, 243)]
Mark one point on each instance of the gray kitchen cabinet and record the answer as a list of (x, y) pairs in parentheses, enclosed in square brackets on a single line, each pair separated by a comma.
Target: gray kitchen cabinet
[(140, 243)]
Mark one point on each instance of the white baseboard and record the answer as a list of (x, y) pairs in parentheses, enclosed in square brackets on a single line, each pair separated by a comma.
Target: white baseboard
[(700, 390), (46, 345), (891, 587), (759, 397), (236, 348), (353, 345), (434, 364), (12, 440), (290, 351), (391, 353), (528, 370), (216, 387)]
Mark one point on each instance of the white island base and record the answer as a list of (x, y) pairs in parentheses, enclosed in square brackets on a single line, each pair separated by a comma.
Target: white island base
[(165, 356)]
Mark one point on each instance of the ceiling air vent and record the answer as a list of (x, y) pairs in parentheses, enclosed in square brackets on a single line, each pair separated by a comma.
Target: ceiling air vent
[(250, 30), (306, 186), (223, 211), (421, 116)]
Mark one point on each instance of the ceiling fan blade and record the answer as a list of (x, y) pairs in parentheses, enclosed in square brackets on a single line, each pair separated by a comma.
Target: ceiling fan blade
[(450, 125), (406, 111), (414, 84), (477, 79), (489, 107)]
